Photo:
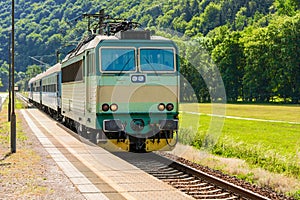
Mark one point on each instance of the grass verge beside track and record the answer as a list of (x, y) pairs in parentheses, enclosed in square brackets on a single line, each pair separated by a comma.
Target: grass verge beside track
[(17, 171), (30, 173), (271, 146)]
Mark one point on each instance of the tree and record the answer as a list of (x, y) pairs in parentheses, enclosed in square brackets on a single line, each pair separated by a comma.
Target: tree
[(240, 19), (23, 78), (32, 71), (287, 7), (256, 80), (284, 49), (211, 17), (229, 58), (4, 77)]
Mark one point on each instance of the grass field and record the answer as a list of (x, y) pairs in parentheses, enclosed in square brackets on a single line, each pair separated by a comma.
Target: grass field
[(274, 146), (271, 112)]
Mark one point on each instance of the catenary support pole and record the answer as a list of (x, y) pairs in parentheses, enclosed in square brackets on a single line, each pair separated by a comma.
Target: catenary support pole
[(13, 115), (9, 76)]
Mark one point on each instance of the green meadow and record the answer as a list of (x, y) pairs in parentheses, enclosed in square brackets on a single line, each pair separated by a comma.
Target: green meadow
[(274, 146)]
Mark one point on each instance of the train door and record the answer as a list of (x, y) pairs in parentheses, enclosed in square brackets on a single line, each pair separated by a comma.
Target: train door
[(90, 81), (41, 91), (31, 88), (58, 90)]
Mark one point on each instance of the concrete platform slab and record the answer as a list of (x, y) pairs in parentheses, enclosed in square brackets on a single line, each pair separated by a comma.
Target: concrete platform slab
[(96, 173)]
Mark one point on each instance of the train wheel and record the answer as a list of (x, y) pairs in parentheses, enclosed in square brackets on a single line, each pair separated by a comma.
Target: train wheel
[(81, 130), (92, 136), (101, 137)]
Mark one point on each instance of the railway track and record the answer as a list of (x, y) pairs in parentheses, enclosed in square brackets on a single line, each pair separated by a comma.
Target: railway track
[(24, 100), (193, 182), (196, 183)]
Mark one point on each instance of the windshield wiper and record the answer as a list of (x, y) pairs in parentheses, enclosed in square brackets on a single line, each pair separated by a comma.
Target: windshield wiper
[(125, 66), (151, 66)]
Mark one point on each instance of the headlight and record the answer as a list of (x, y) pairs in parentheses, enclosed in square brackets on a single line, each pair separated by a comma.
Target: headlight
[(161, 107), (114, 107), (134, 78), (138, 78), (141, 78), (170, 106), (105, 107)]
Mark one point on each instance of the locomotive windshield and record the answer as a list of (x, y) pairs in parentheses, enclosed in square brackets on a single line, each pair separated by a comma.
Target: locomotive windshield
[(123, 60), (117, 60), (157, 60)]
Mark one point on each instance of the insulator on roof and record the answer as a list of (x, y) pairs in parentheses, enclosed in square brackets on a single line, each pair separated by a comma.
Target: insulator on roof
[(133, 35)]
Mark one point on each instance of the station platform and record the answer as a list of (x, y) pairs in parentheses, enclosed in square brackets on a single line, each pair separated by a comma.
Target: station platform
[(95, 172)]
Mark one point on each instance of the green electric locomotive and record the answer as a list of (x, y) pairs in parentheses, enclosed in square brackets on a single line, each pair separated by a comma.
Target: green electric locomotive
[(121, 87)]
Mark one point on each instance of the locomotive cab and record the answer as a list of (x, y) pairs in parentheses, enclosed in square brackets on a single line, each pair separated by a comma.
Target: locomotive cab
[(123, 89), (137, 104)]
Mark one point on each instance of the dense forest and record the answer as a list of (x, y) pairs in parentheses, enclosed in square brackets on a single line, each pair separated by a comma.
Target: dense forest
[(253, 43)]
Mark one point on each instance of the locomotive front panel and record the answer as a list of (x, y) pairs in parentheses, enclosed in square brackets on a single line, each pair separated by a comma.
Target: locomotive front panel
[(145, 104), (137, 93)]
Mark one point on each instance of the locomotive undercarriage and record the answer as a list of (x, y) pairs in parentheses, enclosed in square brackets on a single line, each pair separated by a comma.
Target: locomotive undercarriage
[(163, 140), (116, 141), (53, 113)]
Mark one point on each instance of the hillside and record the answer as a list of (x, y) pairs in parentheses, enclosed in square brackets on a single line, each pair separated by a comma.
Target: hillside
[(235, 33)]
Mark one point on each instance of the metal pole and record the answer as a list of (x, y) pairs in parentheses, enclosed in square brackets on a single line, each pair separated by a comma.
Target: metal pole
[(9, 77), (13, 115)]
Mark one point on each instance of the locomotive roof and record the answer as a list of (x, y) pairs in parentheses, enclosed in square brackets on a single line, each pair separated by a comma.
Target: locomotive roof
[(31, 80), (95, 41), (51, 70)]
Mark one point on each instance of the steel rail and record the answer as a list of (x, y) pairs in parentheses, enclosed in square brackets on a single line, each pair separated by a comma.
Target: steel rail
[(242, 192)]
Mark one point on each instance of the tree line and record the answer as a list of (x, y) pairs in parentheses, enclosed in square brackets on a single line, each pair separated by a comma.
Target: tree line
[(256, 64), (254, 44), (260, 64), (258, 57)]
